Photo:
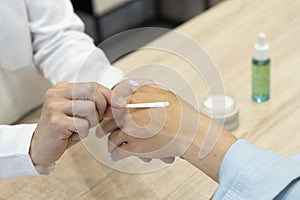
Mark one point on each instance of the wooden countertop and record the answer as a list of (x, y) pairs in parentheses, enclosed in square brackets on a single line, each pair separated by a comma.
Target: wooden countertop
[(228, 33)]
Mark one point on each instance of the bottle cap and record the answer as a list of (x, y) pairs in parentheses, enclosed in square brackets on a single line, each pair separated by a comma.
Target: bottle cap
[(222, 109), (261, 48)]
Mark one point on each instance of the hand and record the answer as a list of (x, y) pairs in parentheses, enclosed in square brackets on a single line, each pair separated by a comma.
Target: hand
[(183, 132), (69, 111), (152, 133)]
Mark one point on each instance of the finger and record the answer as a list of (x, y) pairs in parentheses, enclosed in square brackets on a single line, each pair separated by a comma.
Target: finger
[(78, 91), (83, 91), (70, 125), (120, 153), (81, 127), (74, 139), (122, 91), (135, 86), (99, 132), (89, 91), (116, 139), (54, 93), (145, 97), (147, 160), (82, 109), (168, 160), (108, 125), (102, 92), (114, 112), (111, 146), (119, 94), (150, 88)]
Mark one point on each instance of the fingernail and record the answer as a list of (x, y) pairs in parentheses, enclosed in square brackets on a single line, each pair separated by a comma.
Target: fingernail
[(95, 134), (109, 157), (133, 83)]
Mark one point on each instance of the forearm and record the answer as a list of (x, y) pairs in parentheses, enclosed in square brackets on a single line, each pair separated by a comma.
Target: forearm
[(219, 144), (242, 170)]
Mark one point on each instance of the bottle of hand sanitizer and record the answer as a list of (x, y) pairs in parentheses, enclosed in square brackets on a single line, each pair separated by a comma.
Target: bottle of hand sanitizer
[(261, 70)]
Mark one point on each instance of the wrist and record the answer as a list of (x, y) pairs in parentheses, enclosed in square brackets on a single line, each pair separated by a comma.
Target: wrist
[(40, 168), (194, 148), (32, 149), (213, 141)]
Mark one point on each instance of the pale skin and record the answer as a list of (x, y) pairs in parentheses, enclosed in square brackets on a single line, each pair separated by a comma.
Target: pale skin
[(68, 115), (69, 111), (171, 140)]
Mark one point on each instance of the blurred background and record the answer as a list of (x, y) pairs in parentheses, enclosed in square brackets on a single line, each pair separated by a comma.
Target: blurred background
[(105, 18)]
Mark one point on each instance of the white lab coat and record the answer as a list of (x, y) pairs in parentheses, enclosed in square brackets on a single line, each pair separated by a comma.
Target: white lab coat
[(39, 38)]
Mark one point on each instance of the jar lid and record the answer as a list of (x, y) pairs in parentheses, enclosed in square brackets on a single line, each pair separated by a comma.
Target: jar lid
[(221, 108)]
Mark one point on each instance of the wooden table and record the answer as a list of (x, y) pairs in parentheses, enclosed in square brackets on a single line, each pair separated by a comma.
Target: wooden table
[(228, 33)]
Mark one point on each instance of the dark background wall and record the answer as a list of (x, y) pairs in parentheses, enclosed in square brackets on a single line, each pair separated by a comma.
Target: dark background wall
[(128, 14), (137, 13)]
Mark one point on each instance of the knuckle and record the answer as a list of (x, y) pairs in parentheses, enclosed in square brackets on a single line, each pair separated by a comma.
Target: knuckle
[(91, 108), (54, 121), (61, 84), (49, 94), (51, 107), (166, 94), (142, 88), (136, 98), (90, 88), (95, 85)]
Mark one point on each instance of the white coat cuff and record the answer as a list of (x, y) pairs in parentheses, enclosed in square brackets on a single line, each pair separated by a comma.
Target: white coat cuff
[(111, 77), (15, 160)]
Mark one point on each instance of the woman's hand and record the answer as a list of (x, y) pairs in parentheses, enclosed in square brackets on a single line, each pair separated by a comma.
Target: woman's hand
[(153, 132), (176, 130)]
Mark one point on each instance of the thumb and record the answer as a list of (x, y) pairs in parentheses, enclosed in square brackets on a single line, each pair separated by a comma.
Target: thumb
[(121, 93), (105, 92)]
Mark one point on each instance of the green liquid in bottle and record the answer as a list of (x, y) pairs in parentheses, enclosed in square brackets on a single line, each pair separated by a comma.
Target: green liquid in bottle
[(260, 80)]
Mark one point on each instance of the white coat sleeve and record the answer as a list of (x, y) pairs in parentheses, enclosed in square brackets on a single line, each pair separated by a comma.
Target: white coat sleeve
[(61, 50), (63, 53), (14, 151)]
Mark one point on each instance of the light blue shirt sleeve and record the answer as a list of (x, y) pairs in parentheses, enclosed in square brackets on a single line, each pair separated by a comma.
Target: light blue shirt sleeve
[(250, 173)]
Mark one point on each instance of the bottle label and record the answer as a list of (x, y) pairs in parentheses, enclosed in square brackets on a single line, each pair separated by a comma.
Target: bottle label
[(261, 79)]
